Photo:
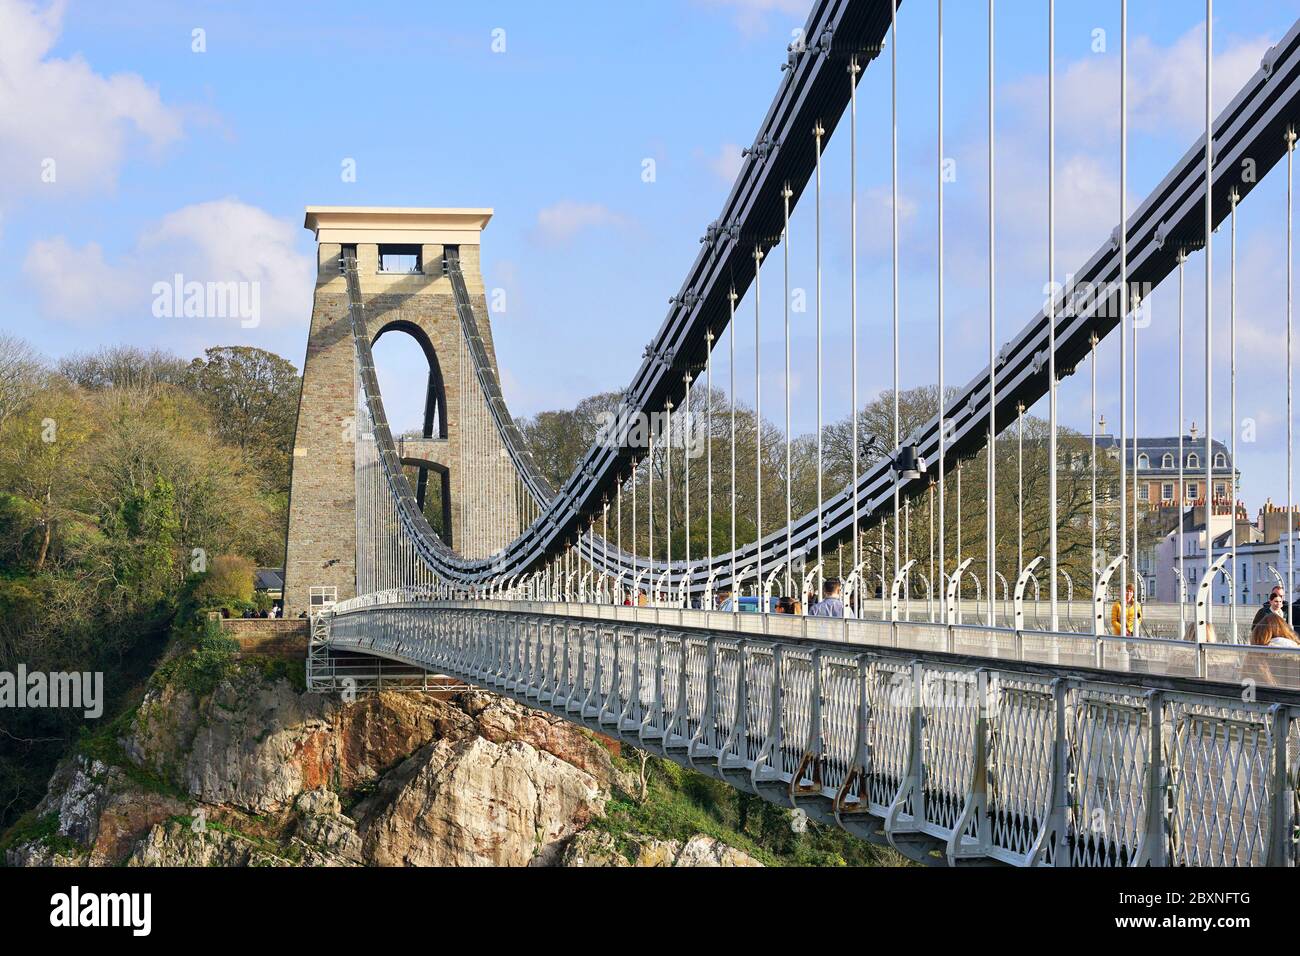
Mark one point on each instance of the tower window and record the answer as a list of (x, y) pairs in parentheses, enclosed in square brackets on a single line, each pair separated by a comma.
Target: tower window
[(401, 259)]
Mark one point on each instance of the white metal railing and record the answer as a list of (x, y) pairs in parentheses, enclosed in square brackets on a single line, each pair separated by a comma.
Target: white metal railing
[(1012, 761), (1231, 663)]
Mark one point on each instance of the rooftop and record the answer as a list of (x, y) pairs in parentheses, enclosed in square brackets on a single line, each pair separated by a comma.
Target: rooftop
[(268, 579), (397, 224), (1156, 448)]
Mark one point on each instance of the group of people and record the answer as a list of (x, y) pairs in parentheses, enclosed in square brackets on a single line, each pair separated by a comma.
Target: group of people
[(1270, 628), (274, 611), (831, 603)]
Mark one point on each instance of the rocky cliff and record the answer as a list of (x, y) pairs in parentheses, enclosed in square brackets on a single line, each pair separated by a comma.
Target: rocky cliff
[(256, 772)]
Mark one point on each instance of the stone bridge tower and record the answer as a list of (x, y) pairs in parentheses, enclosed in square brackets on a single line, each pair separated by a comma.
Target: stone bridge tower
[(460, 458)]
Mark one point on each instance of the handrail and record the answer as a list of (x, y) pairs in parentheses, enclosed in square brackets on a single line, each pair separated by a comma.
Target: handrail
[(1140, 657)]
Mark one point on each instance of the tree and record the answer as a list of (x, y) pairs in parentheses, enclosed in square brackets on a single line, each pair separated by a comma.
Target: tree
[(564, 436), (122, 366), (143, 531), (115, 487), (558, 440), (229, 578), (253, 397), (21, 372), (916, 406), (42, 466), (219, 499)]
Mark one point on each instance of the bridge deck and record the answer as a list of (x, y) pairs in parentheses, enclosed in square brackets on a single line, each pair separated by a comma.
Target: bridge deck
[(946, 757)]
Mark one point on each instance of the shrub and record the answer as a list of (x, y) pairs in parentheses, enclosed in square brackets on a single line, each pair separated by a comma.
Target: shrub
[(211, 658), (229, 579)]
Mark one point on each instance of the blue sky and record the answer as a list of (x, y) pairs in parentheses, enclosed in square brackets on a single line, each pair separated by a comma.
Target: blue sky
[(170, 160)]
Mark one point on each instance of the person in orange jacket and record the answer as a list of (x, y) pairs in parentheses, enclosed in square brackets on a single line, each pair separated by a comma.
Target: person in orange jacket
[(1131, 619)]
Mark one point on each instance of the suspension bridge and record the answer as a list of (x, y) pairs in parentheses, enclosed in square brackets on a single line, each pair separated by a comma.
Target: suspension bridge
[(964, 715)]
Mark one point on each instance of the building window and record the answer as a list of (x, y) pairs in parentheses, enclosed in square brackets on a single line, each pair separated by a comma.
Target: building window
[(1193, 460), (1220, 490), (1144, 493), (1167, 461), (322, 598), (1220, 460), (1144, 461), (1193, 490), (1167, 491)]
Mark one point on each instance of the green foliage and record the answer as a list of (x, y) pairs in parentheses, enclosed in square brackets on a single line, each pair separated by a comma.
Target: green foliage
[(681, 803), (253, 395), (557, 440), (113, 470), (229, 578), (44, 830), (142, 530), (202, 665), (275, 669), (105, 745)]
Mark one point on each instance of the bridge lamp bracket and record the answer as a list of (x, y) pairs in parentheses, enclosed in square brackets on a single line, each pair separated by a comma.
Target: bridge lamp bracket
[(908, 464)]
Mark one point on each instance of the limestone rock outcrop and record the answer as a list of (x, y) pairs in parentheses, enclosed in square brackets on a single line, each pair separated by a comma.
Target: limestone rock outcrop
[(596, 848), (474, 802), (259, 773), (257, 744)]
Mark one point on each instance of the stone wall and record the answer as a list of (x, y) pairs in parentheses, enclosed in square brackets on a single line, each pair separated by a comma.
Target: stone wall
[(269, 637)]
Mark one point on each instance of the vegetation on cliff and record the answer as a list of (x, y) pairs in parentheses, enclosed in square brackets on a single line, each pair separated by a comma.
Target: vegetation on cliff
[(680, 803), (125, 477)]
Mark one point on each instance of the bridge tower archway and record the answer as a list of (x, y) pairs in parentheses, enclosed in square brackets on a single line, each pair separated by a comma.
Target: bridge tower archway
[(459, 456), (423, 450)]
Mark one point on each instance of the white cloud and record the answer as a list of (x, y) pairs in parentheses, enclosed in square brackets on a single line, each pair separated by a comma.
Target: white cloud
[(225, 240), (751, 16), (726, 163), (1166, 99), (221, 241), (565, 219), (76, 285), (61, 109), (875, 214), (1166, 87)]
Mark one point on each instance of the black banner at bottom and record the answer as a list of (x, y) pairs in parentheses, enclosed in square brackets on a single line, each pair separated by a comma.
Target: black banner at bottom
[(179, 906)]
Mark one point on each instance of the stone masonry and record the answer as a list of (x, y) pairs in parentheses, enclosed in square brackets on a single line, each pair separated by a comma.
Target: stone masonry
[(321, 546)]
